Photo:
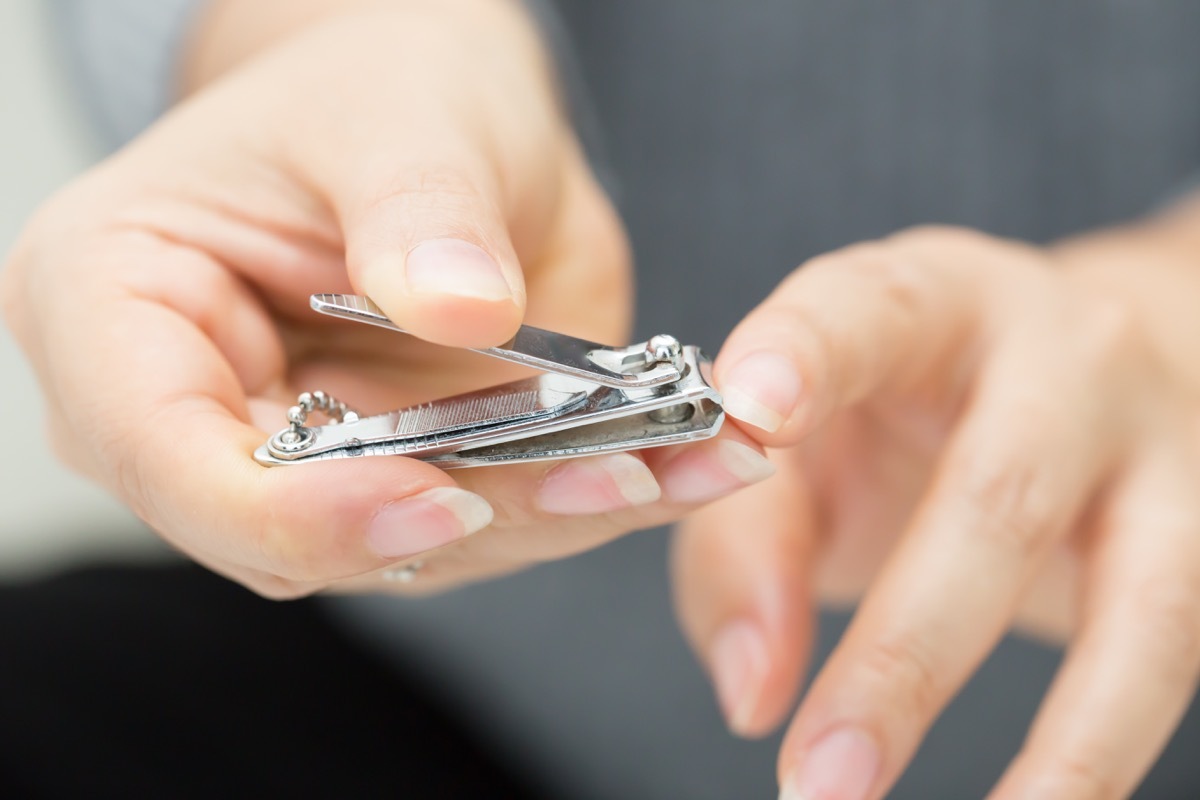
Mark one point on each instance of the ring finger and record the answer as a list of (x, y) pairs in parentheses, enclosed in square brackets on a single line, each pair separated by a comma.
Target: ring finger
[(1132, 671), (1016, 474)]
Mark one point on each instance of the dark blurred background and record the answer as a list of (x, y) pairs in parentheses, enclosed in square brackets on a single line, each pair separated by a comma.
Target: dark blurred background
[(736, 146)]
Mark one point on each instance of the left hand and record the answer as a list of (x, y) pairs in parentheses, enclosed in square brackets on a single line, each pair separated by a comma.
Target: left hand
[(971, 434), (414, 151)]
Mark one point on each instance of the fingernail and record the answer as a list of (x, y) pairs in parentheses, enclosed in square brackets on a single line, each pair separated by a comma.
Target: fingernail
[(713, 470), (598, 484), (427, 520), (739, 663), (455, 267), (762, 390), (842, 765)]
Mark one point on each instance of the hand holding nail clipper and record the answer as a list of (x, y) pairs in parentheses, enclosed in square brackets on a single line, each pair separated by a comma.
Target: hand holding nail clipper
[(164, 301), (970, 433)]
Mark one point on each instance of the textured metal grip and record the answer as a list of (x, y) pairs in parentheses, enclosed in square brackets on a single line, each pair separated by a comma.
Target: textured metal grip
[(458, 414)]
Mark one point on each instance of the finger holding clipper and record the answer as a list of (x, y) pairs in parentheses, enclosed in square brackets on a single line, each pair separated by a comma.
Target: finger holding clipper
[(435, 255), (451, 174), (546, 511), (672, 477)]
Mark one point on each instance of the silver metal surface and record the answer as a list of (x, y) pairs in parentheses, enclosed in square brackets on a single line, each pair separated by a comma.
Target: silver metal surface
[(550, 416), (406, 573), (665, 349), (628, 367)]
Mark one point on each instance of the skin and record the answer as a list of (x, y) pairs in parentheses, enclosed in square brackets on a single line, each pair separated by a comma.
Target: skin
[(163, 297), (968, 434), (986, 435)]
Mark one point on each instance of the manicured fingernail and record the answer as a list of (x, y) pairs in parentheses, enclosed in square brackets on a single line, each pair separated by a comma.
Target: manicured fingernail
[(455, 267), (598, 484), (713, 470), (739, 663), (762, 390), (427, 520), (842, 765)]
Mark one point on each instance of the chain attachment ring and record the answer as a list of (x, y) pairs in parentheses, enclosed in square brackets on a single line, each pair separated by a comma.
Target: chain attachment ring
[(297, 435)]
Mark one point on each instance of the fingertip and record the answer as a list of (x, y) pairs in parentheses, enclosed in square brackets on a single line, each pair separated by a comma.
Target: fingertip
[(448, 291), (706, 471), (844, 762), (331, 520), (755, 668), (425, 521), (597, 485), (740, 662), (455, 322), (455, 267), (742, 592), (762, 389)]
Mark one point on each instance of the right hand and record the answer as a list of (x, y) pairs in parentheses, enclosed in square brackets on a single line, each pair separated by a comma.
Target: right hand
[(415, 153)]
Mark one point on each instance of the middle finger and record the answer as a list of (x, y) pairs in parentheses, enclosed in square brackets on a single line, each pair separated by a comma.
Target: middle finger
[(1017, 472)]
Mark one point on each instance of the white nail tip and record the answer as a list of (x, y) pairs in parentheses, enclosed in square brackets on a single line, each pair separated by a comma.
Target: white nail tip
[(743, 712), (791, 794), (472, 510), (633, 478), (745, 463), (740, 405)]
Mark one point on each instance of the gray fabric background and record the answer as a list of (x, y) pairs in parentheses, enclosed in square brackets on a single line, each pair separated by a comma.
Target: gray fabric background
[(741, 138), (123, 55)]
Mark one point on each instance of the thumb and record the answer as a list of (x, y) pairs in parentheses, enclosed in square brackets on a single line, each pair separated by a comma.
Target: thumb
[(430, 132), (437, 151), (433, 251)]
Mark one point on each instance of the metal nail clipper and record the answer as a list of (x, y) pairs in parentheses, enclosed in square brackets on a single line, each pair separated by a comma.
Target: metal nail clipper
[(589, 399)]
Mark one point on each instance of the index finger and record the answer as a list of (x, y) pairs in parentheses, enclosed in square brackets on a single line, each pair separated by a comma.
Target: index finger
[(848, 323)]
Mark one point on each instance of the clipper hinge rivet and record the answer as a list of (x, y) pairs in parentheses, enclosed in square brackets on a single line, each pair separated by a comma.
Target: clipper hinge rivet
[(665, 349)]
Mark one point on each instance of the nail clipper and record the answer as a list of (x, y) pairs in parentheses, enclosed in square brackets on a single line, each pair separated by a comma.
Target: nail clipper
[(589, 399)]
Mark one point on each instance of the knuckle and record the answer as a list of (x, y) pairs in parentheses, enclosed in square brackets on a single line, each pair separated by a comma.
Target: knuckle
[(816, 335), (889, 289), (427, 189), (56, 226), (1168, 614), (438, 181), (898, 284), (905, 673), (1108, 335), (1005, 503), (1081, 776), (881, 269)]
